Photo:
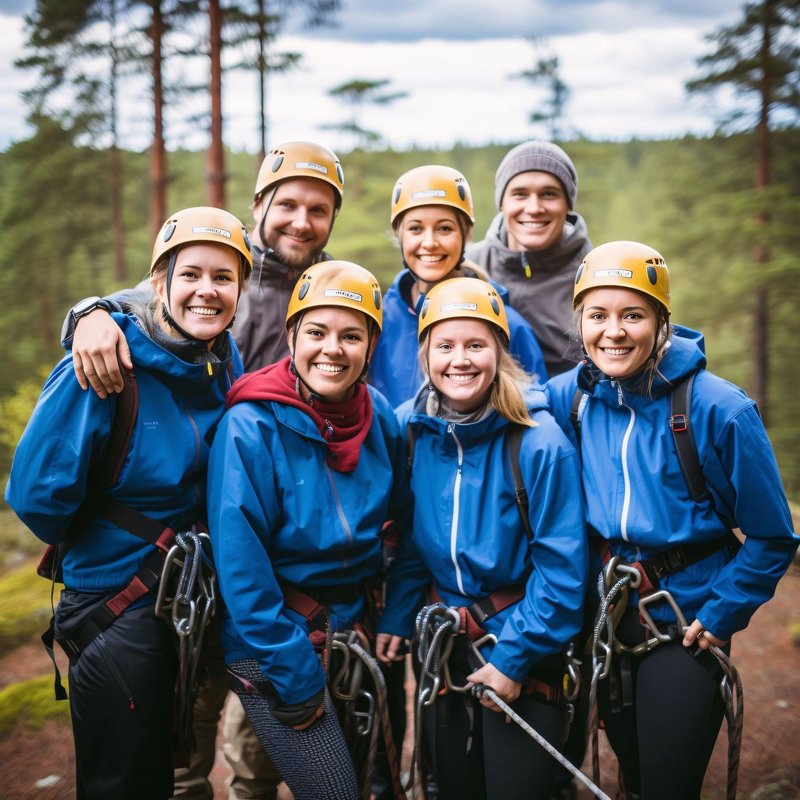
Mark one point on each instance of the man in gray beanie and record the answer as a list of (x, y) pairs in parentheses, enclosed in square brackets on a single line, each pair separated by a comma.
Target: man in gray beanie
[(536, 243)]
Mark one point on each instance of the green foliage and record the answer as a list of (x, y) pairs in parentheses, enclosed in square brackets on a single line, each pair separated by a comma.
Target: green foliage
[(690, 198), (25, 599), (32, 704)]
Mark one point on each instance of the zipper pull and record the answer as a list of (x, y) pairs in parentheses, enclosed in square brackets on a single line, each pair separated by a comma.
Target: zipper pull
[(620, 398), (523, 260)]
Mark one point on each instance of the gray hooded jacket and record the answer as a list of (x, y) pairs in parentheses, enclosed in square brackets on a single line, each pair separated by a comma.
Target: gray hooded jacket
[(545, 298)]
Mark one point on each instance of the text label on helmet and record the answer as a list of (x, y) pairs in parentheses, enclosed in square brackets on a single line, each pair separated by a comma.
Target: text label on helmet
[(210, 229), (613, 273), (311, 165), (459, 307), (428, 193), (345, 294)]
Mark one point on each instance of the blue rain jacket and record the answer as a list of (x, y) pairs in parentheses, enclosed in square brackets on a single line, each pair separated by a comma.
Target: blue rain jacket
[(468, 536), (278, 512), (638, 501), (163, 474), (394, 369)]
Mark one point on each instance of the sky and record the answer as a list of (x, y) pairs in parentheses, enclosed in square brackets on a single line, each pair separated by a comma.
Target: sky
[(625, 63)]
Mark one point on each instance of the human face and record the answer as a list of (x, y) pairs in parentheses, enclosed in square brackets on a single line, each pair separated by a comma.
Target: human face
[(204, 291), (431, 242), (330, 351), (618, 328), (298, 220), (462, 361), (535, 209)]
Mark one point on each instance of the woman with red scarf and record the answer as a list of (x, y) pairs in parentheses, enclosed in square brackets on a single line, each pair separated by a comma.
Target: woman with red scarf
[(306, 468)]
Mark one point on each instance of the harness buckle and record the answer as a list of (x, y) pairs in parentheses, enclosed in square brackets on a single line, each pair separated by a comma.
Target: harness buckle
[(679, 423)]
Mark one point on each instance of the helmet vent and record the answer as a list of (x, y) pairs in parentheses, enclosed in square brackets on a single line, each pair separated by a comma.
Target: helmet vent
[(304, 290), (652, 275), (376, 296), (168, 231), (276, 165), (462, 192), (495, 307)]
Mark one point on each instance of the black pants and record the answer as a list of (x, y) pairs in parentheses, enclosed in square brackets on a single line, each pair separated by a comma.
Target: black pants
[(477, 755), (121, 691), (665, 737)]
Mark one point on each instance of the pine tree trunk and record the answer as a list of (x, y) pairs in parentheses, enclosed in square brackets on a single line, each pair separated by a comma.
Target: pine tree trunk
[(262, 78), (215, 158), (760, 251), (115, 158), (158, 155)]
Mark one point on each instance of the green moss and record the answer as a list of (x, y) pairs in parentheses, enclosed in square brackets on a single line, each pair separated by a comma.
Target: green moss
[(31, 703), (25, 600)]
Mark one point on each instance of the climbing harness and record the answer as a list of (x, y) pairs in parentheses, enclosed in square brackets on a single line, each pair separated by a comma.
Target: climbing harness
[(613, 585), (437, 625), (361, 707), (186, 599)]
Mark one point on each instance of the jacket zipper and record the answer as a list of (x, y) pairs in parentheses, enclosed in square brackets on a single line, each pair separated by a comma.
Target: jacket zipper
[(456, 508), (339, 510), (626, 502)]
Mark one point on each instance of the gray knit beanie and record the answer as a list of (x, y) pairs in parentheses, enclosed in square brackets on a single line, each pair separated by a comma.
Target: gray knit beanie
[(537, 157)]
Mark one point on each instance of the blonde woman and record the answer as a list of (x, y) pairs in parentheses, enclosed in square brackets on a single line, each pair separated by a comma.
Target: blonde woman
[(471, 542)]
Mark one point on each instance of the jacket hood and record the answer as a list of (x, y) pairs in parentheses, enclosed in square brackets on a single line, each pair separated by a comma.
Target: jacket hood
[(413, 412), (686, 354), (153, 355), (574, 239), (405, 279)]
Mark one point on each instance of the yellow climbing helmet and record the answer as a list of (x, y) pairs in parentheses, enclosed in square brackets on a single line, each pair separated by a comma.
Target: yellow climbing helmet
[(301, 160), (432, 185), (459, 298), (628, 265), (337, 283), (203, 224)]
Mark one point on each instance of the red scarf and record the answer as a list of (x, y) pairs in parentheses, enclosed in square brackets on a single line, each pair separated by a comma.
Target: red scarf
[(343, 426)]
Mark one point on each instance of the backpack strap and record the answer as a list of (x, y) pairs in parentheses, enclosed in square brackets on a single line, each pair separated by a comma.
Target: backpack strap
[(683, 436), (514, 433), (576, 408)]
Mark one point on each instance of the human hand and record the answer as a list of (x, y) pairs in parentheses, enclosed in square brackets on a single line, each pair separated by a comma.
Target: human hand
[(98, 350), (389, 648), (506, 689), (696, 633)]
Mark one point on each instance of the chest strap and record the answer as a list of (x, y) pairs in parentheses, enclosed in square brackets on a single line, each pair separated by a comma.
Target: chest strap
[(474, 616)]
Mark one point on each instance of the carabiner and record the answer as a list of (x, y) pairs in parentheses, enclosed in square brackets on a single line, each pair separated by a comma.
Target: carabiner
[(662, 594)]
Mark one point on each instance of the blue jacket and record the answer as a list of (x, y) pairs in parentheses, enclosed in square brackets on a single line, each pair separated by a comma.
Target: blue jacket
[(278, 512), (637, 499), (468, 536), (163, 475), (394, 369)]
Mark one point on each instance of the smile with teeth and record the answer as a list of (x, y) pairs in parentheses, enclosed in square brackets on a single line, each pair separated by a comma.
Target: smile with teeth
[(330, 368), (202, 311), (616, 351), (461, 377)]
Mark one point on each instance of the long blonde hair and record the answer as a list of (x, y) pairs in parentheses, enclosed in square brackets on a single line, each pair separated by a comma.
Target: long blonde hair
[(510, 382)]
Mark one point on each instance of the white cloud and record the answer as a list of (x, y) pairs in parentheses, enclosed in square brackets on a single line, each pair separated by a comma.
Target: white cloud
[(624, 82)]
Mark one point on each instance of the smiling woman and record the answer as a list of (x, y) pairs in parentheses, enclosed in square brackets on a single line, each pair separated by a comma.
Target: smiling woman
[(123, 658), (699, 584), (307, 467)]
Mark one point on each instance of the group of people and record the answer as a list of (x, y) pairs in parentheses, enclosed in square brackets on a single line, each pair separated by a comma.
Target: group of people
[(488, 436)]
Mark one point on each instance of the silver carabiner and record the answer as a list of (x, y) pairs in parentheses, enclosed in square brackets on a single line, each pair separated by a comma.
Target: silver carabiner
[(184, 625), (661, 594), (364, 728)]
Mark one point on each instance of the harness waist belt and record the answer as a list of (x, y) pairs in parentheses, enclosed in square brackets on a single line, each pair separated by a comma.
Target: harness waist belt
[(654, 569)]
